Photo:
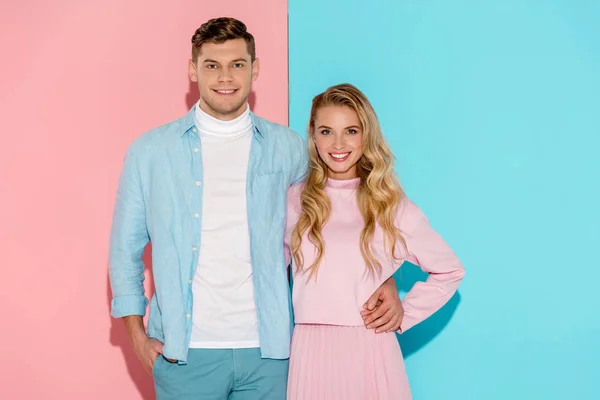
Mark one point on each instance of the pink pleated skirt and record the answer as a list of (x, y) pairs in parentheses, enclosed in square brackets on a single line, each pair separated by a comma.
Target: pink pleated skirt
[(344, 362)]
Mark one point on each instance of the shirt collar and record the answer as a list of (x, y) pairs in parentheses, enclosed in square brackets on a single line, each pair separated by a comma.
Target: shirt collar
[(188, 123)]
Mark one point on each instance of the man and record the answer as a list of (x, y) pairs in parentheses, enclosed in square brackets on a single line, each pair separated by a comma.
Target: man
[(208, 190)]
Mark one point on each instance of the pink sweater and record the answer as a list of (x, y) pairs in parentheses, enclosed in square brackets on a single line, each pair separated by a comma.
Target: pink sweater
[(343, 284)]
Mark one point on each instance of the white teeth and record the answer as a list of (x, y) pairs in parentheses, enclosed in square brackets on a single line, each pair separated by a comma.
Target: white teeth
[(339, 155), (226, 91)]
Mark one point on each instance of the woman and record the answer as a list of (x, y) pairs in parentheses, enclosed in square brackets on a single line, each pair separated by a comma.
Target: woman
[(349, 228)]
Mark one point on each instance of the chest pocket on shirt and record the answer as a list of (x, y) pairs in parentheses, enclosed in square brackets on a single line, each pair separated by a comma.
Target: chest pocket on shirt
[(268, 199)]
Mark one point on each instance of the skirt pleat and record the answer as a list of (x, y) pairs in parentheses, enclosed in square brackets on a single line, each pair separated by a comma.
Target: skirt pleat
[(330, 362)]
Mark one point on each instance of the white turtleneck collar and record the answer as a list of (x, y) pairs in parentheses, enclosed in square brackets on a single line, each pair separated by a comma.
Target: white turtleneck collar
[(211, 126)]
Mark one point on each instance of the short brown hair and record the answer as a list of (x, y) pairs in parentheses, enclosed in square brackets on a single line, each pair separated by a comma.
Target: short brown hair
[(219, 30)]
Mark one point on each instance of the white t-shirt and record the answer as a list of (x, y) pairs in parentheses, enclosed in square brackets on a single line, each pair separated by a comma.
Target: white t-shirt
[(224, 313)]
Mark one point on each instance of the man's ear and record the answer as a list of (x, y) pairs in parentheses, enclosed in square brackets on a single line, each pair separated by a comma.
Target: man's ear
[(255, 69), (192, 71)]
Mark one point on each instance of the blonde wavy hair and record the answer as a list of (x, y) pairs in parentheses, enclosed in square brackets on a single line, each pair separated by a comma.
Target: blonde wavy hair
[(378, 195)]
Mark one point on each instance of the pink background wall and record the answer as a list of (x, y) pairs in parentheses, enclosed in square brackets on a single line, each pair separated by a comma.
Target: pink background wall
[(79, 81)]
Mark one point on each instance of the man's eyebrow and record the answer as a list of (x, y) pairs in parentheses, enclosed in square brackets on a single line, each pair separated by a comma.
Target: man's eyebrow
[(216, 62)]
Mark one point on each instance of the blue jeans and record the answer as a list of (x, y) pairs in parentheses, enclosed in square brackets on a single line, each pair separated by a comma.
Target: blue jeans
[(221, 374)]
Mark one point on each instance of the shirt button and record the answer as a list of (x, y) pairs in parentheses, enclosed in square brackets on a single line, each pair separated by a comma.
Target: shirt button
[(194, 248), (195, 150), (188, 316), (195, 130), (196, 215), (190, 281), (198, 183)]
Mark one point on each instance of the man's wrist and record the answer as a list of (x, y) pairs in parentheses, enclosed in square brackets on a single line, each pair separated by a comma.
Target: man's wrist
[(138, 338)]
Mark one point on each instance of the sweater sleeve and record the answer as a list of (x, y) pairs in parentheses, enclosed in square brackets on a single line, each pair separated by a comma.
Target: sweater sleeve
[(431, 253)]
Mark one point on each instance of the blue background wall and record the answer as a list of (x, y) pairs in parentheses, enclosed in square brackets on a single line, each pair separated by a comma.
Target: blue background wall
[(493, 111)]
